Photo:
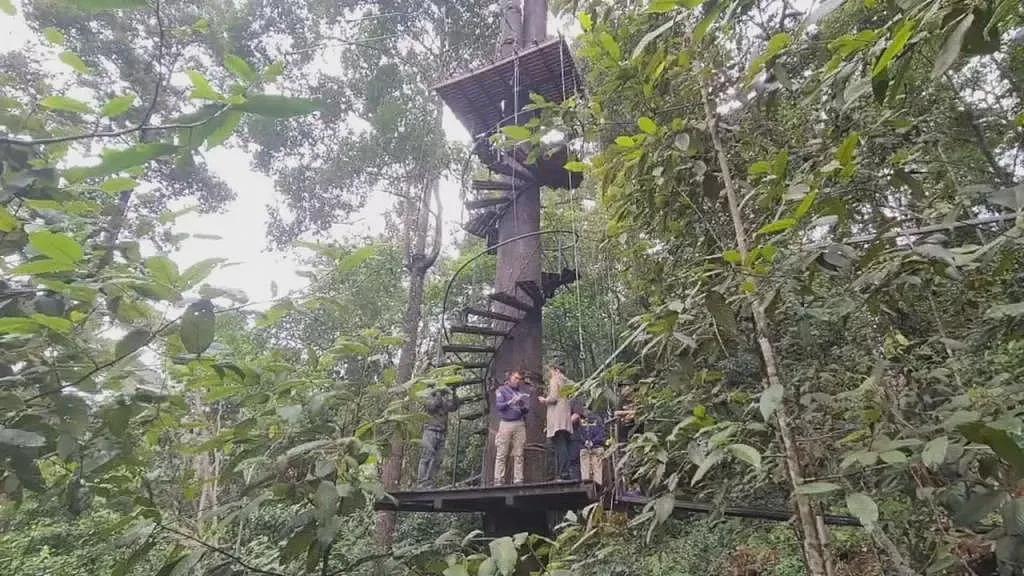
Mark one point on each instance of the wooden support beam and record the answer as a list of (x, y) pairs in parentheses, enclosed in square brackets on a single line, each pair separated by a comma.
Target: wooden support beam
[(467, 382), (490, 314), (492, 185)]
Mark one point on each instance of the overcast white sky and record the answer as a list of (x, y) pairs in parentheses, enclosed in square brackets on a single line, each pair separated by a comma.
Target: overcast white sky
[(242, 225)]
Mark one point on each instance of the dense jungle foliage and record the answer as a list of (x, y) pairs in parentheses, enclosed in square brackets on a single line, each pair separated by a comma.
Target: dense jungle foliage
[(800, 257)]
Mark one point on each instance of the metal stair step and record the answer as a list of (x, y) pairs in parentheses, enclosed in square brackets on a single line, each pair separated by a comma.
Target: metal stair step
[(487, 202), (491, 314), (532, 290), (511, 301), (468, 348), (492, 185), (467, 382), (479, 330)]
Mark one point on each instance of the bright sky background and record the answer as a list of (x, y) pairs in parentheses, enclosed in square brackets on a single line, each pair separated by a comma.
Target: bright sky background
[(242, 224)]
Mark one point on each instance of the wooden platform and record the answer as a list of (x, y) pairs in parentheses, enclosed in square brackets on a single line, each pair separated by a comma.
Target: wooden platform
[(475, 98), (561, 495)]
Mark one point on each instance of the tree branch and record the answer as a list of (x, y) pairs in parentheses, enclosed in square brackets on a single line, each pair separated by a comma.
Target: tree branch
[(236, 559)]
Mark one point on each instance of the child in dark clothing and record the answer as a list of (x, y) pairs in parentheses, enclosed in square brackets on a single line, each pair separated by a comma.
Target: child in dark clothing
[(593, 438)]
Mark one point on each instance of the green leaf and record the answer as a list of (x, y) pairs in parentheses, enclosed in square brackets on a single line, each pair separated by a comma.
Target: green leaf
[(201, 88), (701, 29), (771, 400), (358, 257), (274, 106), (998, 440), (58, 247), (118, 105), (575, 166), (663, 507), (586, 21), (864, 508), (198, 272), (746, 453), (8, 223), (647, 125), (65, 104), (53, 36), (45, 266), (805, 205), (934, 453), (517, 133), (61, 325), (709, 462), (118, 185), (132, 341), (163, 270), (75, 62), (980, 505), (115, 161), (7, 7), (198, 325), (848, 149), (777, 226), (225, 125), (662, 6), (776, 44), (733, 257), (100, 5), (487, 567), (18, 326), (455, 570), (895, 47), (625, 142), (1005, 311), (240, 68), (951, 47), (610, 46), (21, 438), (816, 488), (650, 37), (503, 551)]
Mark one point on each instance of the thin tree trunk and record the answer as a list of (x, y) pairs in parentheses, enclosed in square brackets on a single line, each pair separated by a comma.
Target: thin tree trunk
[(813, 532)]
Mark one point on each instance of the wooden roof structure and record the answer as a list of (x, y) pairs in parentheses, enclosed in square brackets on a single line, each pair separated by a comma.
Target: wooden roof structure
[(476, 98)]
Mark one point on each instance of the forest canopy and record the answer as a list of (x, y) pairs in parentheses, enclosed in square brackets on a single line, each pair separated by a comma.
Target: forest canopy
[(793, 268)]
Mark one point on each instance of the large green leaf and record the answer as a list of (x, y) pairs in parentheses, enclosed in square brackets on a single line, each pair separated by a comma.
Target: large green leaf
[(719, 308), (118, 105), (746, 453), (7, 7), (75, 62), (951, 47), (771, 400), (201, 88), (517, 133), (240, 68), (8, 223), (222, 128), (275, 106), (664, 505), (816, 488), (895, 47), (934, 453), (163, 270), (998, 440), (864, 508), (505, 555), (42, 266), (114, 161), (979, 506), (65, 104), (198, 272), (198, 325), (59, 247)]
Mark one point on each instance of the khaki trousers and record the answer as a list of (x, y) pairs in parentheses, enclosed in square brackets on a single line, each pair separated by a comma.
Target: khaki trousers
[(511, 435), (592, 464)]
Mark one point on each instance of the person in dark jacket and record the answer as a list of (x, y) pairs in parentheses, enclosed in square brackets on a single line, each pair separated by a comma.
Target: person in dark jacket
[(511, 436), (593, 437), (575, 442), (440, 402)]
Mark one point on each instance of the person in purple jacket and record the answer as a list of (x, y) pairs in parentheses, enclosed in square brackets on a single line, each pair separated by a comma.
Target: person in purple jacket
[(593, 437), (511, 436)]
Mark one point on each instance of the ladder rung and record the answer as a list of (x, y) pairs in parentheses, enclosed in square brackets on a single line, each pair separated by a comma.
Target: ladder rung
[(479, 330), (487, 202), (491, 314), (469, 348), (510, 300), (532, 290)]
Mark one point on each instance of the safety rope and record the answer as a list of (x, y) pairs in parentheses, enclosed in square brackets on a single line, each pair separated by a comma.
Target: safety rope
[(573, 216)]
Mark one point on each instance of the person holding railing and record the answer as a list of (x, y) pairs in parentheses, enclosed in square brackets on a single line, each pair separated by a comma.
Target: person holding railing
[(511, 436), (440, 402)]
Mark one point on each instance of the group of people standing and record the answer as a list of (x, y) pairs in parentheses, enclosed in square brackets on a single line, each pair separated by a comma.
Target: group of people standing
[(577, 435)]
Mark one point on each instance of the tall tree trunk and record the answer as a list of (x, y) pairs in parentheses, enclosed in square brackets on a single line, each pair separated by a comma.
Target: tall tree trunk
[(814, 532), (418, 264)]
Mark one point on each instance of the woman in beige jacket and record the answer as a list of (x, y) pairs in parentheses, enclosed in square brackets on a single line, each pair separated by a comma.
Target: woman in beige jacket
[(559, 420)]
